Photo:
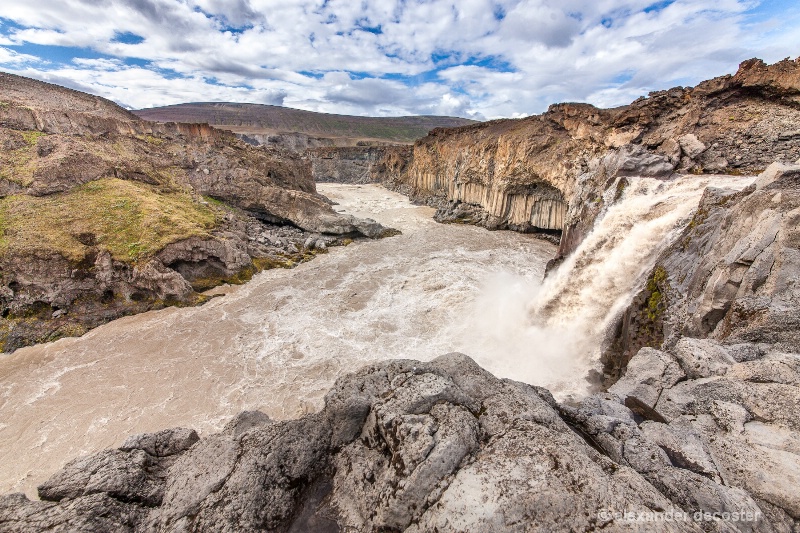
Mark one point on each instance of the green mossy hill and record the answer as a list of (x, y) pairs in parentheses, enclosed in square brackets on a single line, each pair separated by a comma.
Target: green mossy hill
[(129, 219)]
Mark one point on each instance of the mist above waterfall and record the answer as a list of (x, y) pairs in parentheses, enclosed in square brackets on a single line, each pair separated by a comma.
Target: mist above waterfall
[(551, 332)]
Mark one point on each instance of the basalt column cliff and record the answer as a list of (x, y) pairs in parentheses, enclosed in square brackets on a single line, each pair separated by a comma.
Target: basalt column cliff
[(549, 172)]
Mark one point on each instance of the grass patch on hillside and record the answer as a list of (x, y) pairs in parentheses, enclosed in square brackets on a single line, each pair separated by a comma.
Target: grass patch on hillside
[(19, 165), (32, 136), (129, 219), (150, 139)]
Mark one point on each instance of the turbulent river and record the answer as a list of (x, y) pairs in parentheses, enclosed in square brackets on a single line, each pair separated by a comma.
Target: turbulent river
[(277, 343)]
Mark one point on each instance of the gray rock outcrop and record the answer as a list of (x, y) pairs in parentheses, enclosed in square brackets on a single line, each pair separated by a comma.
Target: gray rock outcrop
[(445, 446), (731, 276)]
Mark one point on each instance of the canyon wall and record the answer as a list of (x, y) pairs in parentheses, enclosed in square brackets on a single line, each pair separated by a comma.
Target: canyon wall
[(104, 214), (346, 164), (550, 171)]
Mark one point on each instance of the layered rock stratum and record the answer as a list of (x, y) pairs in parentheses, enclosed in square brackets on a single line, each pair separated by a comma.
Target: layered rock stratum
[(104, 214)]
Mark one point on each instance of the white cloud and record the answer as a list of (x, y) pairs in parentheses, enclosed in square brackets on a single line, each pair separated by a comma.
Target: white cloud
[(99, 64), (471, 57), (10, 57)]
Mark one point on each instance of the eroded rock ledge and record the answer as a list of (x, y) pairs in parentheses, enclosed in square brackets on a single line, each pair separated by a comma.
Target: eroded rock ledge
[(104, 214), (446, 446)]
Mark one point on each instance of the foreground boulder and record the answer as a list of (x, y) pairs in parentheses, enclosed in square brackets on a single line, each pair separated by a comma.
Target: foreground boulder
[(713, 427), (440, 446)]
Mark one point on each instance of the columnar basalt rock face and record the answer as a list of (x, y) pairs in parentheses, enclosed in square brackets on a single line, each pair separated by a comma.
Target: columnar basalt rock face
[(104, 214), (733, 124)]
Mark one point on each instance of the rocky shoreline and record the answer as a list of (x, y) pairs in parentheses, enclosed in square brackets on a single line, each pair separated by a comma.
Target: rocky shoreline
[(446, 446), (107, 215)]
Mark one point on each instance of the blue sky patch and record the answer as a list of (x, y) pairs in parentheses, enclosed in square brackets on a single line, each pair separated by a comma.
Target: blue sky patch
[(127, 38), (363, 25), (623, 77), (658, 6), (58, 54), (494, 63)]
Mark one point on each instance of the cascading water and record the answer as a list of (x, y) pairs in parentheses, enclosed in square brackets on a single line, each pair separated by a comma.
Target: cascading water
[(550, 333)]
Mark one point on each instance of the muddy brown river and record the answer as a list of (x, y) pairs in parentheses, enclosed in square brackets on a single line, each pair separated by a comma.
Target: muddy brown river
[(275, 344)]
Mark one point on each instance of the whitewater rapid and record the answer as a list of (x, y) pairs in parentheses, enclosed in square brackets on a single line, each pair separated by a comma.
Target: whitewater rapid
[(275, 344)]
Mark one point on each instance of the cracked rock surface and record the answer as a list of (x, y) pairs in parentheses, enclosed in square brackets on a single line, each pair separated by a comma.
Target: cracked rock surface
[(445, 446), (399, 446)]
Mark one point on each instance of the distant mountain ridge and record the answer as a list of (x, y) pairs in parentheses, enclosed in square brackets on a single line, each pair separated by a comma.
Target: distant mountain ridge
[(260, 119)]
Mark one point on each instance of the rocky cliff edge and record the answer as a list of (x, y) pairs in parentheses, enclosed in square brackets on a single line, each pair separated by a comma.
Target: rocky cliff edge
[(104, 214)]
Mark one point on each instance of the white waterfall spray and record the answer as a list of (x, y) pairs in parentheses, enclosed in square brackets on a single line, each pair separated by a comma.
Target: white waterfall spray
[(550, 333)]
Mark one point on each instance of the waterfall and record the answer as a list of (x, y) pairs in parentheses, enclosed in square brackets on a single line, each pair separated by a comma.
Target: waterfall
[(550, 333)]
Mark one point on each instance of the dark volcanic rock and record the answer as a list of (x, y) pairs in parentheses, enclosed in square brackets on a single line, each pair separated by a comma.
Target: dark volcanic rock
[(440, 446), (349, 164)]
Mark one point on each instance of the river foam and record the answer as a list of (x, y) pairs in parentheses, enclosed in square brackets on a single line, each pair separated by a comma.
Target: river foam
[(275, 344)]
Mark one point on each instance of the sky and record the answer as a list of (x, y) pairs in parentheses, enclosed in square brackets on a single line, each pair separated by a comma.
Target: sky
[(478, 59)]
